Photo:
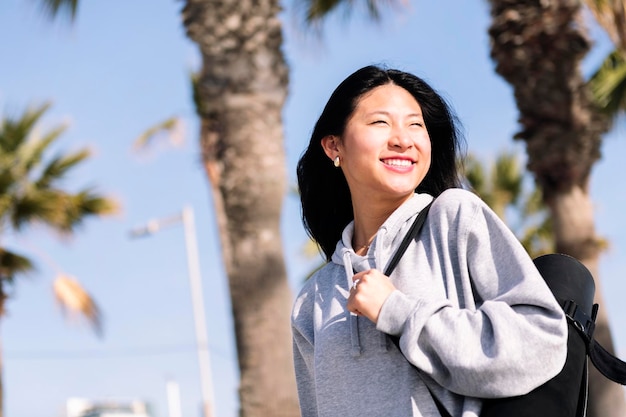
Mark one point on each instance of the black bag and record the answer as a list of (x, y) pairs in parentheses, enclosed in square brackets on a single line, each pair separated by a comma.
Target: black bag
[(566, 394)]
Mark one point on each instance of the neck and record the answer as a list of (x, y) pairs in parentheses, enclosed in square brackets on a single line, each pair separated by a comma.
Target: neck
[(369, 215)]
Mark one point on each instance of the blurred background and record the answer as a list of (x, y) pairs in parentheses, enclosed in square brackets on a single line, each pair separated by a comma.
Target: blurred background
[(123, 67)]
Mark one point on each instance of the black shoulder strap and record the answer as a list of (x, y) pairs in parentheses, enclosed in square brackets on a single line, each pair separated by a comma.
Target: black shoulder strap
[(411, 235), (413, 232), (573, 286), (610, 366)]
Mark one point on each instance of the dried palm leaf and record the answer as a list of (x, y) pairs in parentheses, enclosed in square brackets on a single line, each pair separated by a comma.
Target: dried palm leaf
[(611, 15), (173, 129), (75, 301)]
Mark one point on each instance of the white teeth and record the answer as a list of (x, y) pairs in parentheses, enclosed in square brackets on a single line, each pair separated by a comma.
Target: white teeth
[(398, 162)]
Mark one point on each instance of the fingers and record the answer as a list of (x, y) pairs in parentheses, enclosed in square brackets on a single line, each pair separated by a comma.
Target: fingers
[(352, 308), (368, 292), (364, 276), (352, 303)]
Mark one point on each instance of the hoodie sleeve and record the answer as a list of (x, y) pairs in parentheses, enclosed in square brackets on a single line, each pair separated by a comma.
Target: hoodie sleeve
[(503, 334), (303, 357), (303, 354)]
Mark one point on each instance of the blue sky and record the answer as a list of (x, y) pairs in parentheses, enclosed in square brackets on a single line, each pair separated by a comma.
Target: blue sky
[(125, 66)]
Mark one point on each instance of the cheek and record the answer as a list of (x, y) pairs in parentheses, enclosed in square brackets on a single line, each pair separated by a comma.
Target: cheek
[(425, 147), (361, 144)]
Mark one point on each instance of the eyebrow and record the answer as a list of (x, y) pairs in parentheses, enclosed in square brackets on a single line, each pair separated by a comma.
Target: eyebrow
[(386, 113)]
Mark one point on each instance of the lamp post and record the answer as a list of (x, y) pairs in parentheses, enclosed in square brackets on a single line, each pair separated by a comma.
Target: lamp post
[(202, 341)]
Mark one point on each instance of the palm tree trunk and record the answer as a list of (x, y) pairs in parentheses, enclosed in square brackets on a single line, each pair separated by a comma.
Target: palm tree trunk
[(538, 47), (3, 299), (573, 225), (240, 95)]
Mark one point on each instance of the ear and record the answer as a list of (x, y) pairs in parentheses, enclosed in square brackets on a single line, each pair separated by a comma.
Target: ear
[(330, 144)]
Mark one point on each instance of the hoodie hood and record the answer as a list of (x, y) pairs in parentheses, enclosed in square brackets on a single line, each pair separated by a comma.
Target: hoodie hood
[(384, 245), (386, 241)]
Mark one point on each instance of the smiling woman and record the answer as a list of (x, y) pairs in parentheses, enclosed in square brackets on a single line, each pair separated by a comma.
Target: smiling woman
[(384, 152), (473, 316), (361, 103)]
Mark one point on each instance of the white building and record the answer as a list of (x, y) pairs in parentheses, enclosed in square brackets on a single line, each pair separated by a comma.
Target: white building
[(82, 407)]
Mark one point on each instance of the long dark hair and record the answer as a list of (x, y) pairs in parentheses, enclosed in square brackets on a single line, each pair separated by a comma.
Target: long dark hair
[(324, 192)]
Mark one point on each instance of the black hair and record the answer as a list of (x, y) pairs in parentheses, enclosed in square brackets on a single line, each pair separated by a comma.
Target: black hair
[(324, 193)]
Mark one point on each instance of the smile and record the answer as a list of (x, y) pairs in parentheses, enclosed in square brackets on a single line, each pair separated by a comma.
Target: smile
[(398, 162)]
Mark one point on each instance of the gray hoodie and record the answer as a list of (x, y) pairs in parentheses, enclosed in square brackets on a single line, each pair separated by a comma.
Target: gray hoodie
[(472, 313)]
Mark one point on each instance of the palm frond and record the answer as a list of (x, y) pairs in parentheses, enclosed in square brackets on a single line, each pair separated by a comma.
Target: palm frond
[(76, 302), (194, 77), (5, 207), (12, 264), (61, 211), (611, 15), (533, 204), (90, 203), (475, 175), (316, 11), (56, 169), (508, 178), (538, 239), (60, 8), (373, 9), (30, 154), (7, 178), (503, 190), (29, 189), (28, 195), (172, 128), (82, 205), (15, 131), (608, 84), (32, 206)]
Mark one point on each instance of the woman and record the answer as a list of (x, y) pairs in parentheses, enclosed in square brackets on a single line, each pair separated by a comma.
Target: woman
[(473, 316)]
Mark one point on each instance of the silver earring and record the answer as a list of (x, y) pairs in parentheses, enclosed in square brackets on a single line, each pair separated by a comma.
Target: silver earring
[(336, 161)]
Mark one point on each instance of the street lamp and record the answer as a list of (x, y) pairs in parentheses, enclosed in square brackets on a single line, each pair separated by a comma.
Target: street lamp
[(202, 340)]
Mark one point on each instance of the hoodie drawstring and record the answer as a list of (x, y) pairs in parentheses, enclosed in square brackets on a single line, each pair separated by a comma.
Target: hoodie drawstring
[(354, 319), (380, 239), (387, 238)]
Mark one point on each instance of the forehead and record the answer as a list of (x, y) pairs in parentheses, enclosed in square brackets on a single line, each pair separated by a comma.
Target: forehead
[(386, 95)]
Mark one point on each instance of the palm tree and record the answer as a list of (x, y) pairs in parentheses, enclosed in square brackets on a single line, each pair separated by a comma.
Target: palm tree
[(239, 95), (30, 193), (608, 83), (501, 185), (538, 48)]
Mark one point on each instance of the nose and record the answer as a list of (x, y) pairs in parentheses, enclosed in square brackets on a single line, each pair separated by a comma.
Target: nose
[(401, 139)]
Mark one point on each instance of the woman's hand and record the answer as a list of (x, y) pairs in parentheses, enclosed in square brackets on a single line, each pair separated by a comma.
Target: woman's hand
[(369, 291)]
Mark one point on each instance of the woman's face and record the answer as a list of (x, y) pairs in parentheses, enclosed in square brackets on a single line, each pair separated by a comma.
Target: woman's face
[(385, 148)]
